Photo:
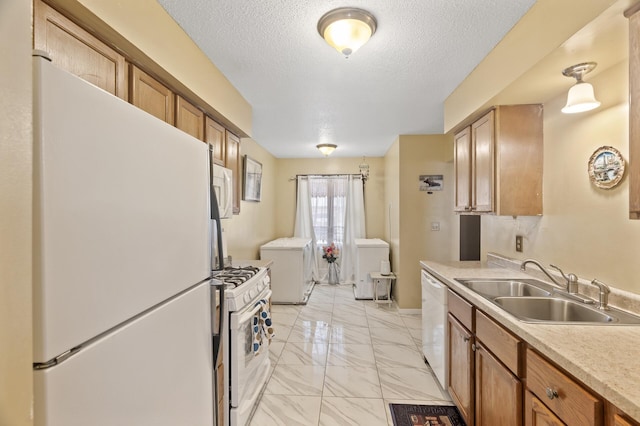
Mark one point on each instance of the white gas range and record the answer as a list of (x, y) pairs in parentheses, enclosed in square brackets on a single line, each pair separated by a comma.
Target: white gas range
[(246, 346)]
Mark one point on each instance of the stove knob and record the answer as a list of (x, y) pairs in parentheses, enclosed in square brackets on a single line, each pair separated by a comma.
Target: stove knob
[(246, 298), (252, 293)]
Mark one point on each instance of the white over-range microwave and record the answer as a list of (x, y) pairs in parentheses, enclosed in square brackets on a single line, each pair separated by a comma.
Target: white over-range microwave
[(223, 187)]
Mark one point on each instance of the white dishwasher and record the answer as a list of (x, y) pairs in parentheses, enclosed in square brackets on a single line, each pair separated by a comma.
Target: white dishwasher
[(434, 326)]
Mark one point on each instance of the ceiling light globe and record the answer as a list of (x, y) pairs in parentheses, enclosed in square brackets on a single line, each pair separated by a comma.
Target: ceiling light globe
[(347, 29), (347, 36), (326, 148), (580, 98)]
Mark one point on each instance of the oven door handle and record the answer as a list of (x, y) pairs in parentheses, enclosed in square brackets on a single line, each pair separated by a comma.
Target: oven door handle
[(242, 317)]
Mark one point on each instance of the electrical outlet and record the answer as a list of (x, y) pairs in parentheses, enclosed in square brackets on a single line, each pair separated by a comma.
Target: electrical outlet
[(435, 226), (519, 243)]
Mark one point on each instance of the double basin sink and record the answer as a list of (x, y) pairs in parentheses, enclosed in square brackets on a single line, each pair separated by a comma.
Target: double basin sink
[(535, 301)]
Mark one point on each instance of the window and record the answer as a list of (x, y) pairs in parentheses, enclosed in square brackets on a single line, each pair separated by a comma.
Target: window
[(328, 205)]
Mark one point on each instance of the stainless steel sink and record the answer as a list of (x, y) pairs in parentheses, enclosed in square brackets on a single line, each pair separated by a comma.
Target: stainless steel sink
[(507, 287), (552, 309), (535, 301)]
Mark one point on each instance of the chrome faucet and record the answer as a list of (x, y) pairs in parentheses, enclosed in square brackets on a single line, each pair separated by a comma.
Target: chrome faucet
[(604, 294), (571, 279), (570, 287), (523, 267)]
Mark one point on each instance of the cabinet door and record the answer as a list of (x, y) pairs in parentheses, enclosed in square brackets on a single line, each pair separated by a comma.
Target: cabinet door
[(233, 162), (189, 119), (151, 96), (462, 172), (537, 414), (214, 136), (461, 368), (78, 52), (634, 112), (498, 392), (618, 420), (482, 137)]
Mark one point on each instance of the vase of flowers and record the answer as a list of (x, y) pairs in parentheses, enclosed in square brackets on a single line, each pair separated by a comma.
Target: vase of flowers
[(330, 253)]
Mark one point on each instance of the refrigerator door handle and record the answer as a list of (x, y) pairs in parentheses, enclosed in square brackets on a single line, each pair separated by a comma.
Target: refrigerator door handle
[(217, 337), (215, 217)]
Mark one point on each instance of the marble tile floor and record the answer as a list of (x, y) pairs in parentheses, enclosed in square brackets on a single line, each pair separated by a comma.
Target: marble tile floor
[(341, 361)]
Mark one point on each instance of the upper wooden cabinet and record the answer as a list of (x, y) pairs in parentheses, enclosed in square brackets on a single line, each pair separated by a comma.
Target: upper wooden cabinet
[(189, 119), (150, 95), (498, 162), (232, 161), (214, 136), (75, 50), (634, 110)]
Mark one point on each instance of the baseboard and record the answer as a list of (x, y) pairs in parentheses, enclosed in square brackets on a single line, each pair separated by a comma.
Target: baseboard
[(410, 311)]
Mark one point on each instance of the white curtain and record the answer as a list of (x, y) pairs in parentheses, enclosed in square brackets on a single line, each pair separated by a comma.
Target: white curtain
[(304, 222), (354, 227), (330, 209)]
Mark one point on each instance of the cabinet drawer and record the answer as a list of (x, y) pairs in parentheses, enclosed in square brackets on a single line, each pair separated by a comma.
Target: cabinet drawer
[(573, 404), (506, 347), (461, 309)]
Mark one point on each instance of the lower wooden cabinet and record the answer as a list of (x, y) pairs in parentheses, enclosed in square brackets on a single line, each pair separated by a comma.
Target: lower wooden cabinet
[(498, 391), (537, 414), (461, 368), (565, 397)]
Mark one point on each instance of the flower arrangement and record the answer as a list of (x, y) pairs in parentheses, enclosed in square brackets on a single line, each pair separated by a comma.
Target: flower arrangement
[(331, 253)]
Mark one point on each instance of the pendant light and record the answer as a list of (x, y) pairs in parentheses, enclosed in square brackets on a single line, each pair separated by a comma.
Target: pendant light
[(347, 28), (581, 97)]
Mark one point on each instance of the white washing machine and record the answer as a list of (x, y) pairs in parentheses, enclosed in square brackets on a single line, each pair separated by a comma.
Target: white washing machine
[(291, 272), (370, 252)]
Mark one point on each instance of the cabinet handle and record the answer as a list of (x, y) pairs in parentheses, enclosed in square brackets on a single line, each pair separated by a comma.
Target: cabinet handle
[(474, 347), (552, 393), (466, 338), (467, 208)]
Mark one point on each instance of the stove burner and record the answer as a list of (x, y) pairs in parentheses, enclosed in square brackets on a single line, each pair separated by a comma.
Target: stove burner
[(236, 276)]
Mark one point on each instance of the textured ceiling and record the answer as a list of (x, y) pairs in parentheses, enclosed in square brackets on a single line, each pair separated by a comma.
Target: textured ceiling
[(303, 92)]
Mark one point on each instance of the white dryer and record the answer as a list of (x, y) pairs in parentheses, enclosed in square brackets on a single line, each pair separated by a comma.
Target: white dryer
[(370, 252), (291, 272)]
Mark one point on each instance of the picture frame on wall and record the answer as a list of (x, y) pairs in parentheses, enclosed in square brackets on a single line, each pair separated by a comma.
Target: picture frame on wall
[(252, 179)]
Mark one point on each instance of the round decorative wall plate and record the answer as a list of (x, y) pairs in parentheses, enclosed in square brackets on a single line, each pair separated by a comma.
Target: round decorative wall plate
[(606, 167)]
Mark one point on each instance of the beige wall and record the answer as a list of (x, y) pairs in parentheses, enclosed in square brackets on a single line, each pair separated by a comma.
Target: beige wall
[(16, 387), (256, 223), (584, 229), (286, 190), (417, 210)]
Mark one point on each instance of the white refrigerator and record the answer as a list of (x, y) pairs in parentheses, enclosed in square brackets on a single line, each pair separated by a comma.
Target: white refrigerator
[(123, 316)]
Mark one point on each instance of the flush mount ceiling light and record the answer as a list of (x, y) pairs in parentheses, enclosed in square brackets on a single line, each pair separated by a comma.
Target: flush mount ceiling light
[(581, 97), (326, 148), (346, 29)]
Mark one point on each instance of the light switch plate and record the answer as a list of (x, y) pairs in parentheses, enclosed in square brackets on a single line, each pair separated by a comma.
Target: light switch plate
[(435, 226)]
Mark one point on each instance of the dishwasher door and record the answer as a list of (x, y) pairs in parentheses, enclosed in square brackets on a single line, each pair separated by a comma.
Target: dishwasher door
[(434, 326)]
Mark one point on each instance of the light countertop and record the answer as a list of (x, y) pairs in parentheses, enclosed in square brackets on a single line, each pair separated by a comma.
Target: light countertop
[(605, 358)]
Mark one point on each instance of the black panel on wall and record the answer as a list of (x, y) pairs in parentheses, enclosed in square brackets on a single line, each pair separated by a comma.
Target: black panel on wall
[(469, 237)]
